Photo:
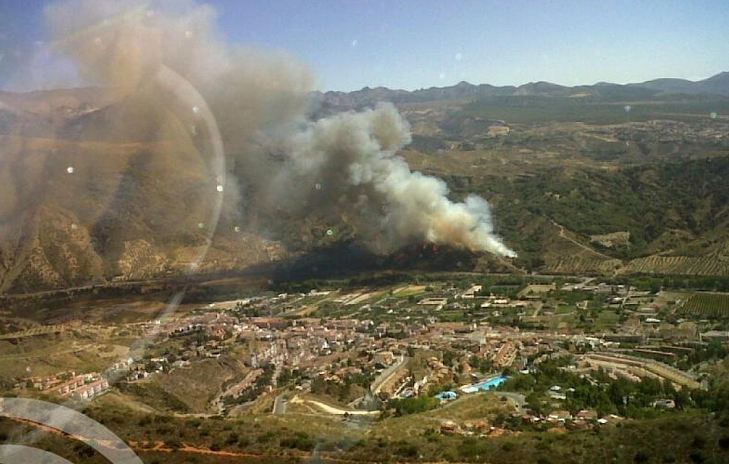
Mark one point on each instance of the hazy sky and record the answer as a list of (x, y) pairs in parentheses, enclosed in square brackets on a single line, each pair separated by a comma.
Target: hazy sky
[(422, 43)]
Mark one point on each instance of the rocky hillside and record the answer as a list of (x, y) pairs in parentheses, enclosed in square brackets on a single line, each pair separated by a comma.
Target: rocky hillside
[(86, 199)]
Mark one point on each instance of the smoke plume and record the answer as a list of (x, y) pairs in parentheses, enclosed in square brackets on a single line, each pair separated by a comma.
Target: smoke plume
[(277, 159), (352, 158)]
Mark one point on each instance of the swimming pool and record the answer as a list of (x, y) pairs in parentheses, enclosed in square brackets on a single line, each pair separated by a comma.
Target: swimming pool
[(485, 385)]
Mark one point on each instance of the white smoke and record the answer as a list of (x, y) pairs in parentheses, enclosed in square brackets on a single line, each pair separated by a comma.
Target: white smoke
[(260, 100), (356, 152)]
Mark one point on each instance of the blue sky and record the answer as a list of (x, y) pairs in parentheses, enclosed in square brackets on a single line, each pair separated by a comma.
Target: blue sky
[(421, 43)]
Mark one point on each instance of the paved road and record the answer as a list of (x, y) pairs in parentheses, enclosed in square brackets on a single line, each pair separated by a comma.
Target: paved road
[(387, 374), (279, 405)]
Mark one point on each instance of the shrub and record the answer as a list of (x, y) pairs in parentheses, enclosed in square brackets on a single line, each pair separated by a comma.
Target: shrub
[(173, 443)]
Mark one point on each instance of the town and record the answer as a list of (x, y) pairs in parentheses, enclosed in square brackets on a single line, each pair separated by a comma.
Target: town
[(362, 352)]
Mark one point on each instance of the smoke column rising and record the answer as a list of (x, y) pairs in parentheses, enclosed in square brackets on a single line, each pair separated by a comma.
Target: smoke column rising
[(260, 101), (356, 153)]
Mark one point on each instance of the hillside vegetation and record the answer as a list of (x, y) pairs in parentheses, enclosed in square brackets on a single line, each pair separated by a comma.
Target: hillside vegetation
[(85, 200)]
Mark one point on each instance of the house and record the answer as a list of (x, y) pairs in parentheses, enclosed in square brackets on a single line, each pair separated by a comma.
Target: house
[(437, 302), (559, 416), (383, 358), (92, 389), (716, 335), (270, 323), (586, 415), (471, 292)]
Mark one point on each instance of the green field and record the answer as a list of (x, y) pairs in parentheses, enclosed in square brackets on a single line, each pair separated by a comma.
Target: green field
[(607, 319), (410, 290)]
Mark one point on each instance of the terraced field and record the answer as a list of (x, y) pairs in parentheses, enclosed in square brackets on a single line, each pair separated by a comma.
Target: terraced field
[(714, 305), (583, 265), (678, 265)]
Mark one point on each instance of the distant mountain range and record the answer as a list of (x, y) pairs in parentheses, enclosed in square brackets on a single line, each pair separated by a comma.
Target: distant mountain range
[(464, 91)]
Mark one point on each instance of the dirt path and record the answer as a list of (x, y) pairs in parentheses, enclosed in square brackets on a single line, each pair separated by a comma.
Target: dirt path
[(564, 235), (333, 410)]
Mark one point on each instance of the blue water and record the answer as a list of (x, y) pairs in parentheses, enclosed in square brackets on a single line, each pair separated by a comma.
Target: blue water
[(486, 384)]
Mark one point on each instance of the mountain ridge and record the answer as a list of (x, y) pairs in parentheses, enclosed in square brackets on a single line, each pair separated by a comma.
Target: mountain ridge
[(717, 84)]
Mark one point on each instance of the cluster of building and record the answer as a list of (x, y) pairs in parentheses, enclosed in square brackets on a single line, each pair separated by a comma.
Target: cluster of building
[(69, 384), (403, 346), (562, 418)]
